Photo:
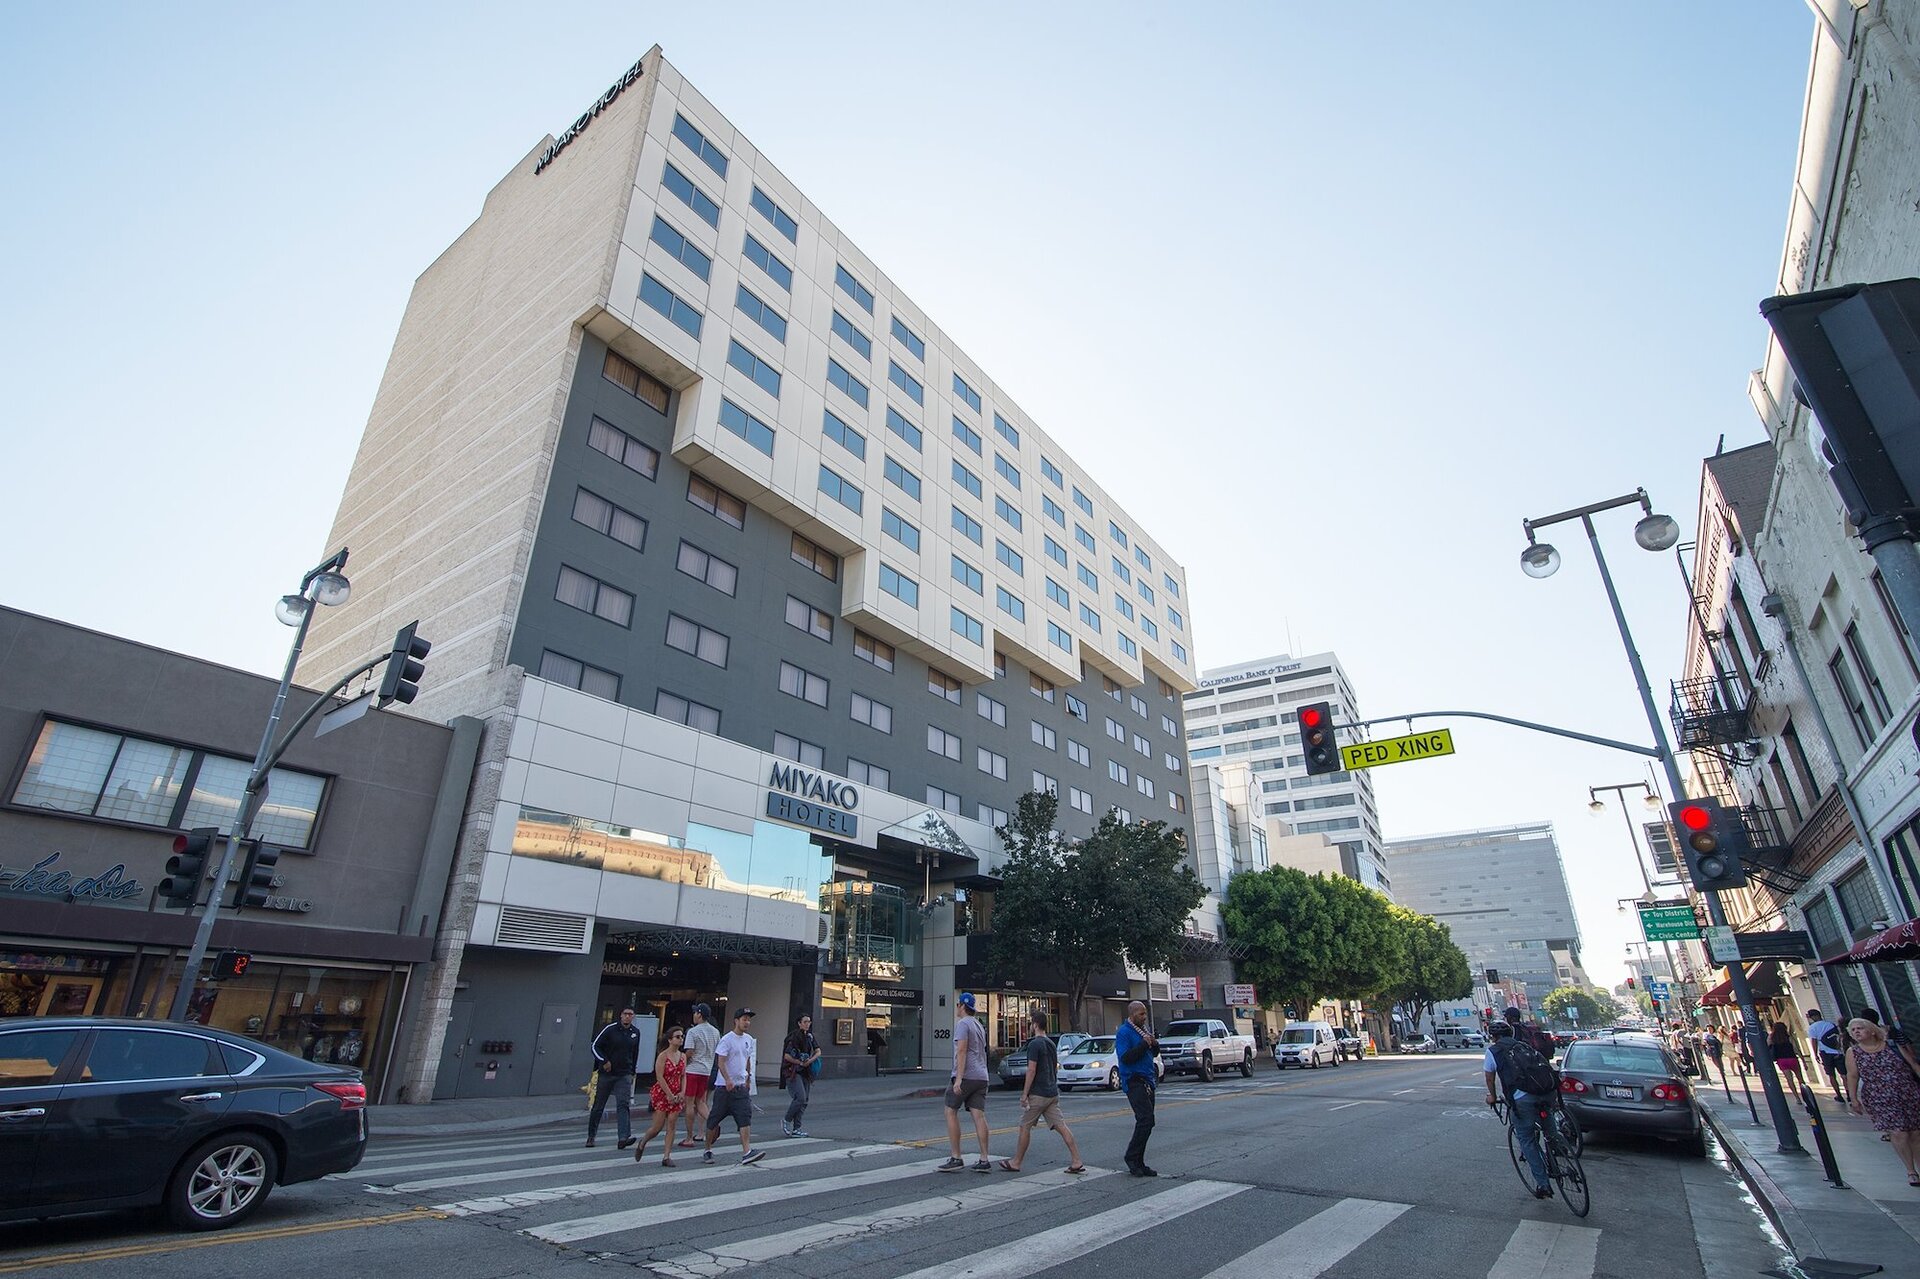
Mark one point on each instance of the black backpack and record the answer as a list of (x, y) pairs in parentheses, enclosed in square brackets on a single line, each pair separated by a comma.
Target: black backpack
[(1831, 1040), (1522, 1069)]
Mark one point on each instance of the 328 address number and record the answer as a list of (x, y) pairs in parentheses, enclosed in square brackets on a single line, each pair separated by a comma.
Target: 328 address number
[(943, 1034)]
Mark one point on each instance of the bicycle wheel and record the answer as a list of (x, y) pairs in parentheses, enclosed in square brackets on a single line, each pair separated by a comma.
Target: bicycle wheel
[(1519, 1160), (1569, 1178), (1571, 1130)]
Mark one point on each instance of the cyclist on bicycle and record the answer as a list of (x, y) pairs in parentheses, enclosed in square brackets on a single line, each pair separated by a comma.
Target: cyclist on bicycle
[(1528, 1109)]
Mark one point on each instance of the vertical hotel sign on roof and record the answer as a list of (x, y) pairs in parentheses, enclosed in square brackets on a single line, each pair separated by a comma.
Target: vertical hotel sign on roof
[(586, 117)]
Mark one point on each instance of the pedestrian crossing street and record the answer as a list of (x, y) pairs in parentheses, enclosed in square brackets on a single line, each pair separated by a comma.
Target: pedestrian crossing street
[(846, 1210)]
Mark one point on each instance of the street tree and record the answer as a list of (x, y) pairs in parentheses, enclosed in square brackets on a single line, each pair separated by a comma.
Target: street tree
[(1089, 906), (1577, 1007), (1435, 969), (1283, 922), (1367, 949)]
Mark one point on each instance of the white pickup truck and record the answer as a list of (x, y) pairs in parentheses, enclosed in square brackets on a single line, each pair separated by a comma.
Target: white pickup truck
[(1200, 1046)]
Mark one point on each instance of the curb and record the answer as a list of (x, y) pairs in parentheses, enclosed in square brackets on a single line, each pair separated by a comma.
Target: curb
[(1773, 1201)]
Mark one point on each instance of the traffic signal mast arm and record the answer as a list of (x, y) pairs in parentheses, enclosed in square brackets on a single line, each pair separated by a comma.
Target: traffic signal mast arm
[(1651, 752)]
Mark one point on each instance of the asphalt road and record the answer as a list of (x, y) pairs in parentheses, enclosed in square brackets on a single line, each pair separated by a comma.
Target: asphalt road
[(1390, 1167)]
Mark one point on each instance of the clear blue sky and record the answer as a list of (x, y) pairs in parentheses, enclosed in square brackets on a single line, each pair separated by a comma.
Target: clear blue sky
[(1450, 265)]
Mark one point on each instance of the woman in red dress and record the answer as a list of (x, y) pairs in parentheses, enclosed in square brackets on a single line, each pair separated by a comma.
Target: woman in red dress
[(668, 1094)]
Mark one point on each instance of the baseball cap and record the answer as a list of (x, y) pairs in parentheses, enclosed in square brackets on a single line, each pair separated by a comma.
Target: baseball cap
[(966, 999), (705, 1010), (1512, 1015), (744, 1012)]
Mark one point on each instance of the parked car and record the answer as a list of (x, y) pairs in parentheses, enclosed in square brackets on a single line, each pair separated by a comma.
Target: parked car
[(1092, 1064), (1306, 1043), (1417, 1044), (1352, 1046), (1454, 1037), (1200, 1046), (99, 1114), (1630, 1083), (1013, 1066)]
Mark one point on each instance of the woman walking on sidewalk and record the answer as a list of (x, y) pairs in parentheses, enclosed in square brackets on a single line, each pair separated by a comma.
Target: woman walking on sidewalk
[(668, 1096), (1786, 1055), (1881, 1082)]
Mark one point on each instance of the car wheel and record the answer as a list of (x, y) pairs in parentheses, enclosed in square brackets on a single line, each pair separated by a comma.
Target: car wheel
[(1113, 1080), (1695, 1147), (222, 1182), (1339, 1057), (1313, 1060), (1246, 1067)]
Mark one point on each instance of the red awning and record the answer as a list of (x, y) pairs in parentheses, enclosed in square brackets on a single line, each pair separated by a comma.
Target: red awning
[(1763, 978), (1899, 942)]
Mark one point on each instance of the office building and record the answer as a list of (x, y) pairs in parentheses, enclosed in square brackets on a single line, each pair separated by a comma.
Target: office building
[(773, 601)]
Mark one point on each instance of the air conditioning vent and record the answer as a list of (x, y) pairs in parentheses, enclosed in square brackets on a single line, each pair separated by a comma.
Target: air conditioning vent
[(543, 929)]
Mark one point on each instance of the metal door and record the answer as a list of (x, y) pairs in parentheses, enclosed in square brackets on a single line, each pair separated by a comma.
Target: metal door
[(553, 1051), (456, 1052)]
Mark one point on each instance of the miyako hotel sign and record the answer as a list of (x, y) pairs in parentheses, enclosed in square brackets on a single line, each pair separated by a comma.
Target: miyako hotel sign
[(810, 799)]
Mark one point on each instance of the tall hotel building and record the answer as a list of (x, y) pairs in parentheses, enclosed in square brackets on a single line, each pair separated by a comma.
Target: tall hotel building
[(1248, 714), (773, 603)]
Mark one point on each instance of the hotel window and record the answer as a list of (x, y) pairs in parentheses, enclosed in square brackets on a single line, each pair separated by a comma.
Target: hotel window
[(1122, 606), (1044, 736), (558, 668), (906, 382), (836, 486), (746, 426), (1059, 638), (764, 375), (1083, 502), (945, 800), (1116, 730), (903, 479), (990, 709), (868, 774), (907, 338), (1053, 510), (1079, 800), (1127, 645), (967, 393), (899, 530), (1176, 801), (900, 586), (820, 560), (862, 296), (990, 816), (1110, 688), (843, 435), (943, 686), (1006, 470), (787, 746), (1138, 704), (1179, 653), (678, 709), (782, 221), (1044, 784), (1123, 815), (967, 575), (760, 313), (1076, 708), (966, 626), (1004, 429), (844, 330), (703, 567), (1171, 761), (993, 765), (761, 256), (683, 250), (1144, 785), (602, 516), (966, 479), (803, 684), (1141, 746), (697, 143), (1009, 557), (1040, 688), (1085, 538), (1168, 727), (591, 595), (1058, 594), (966, 435), (1120, 570), (1090, 619), (1079, 754), (849, 385), (1012, 607), (869, 649), (943, 743), (1054, 551), (1151, 627), (626, 375), (1005, 510), (690, 637), (803, 616), (692, 196), (604, 437), (898, 424), (1117, 772), (967, 526)]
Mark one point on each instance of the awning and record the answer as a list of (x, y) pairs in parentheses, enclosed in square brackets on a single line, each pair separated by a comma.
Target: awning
[(1899, 942), (1763, 978)]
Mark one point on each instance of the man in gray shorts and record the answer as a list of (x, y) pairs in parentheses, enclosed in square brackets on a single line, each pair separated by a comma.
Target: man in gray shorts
[(1040, 1097), (968, 1088)]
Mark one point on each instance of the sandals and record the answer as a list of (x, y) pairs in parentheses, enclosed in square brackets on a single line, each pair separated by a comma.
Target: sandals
[(1007, 1165), (667, 1162), (688, 1144), (1077, 1168)]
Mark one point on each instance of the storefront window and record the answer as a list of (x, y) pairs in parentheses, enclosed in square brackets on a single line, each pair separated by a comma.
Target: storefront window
[(62, 983), (872, 931), (781, 862)]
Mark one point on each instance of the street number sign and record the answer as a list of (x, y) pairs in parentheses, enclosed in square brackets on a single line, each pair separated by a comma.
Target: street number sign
[(1669, 923), (1397, 750)]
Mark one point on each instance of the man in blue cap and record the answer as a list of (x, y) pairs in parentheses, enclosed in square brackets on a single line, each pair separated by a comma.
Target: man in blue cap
[(968, 1087)]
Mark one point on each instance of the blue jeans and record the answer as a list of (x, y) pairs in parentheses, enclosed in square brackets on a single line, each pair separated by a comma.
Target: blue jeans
[(797, 1089), (1529, 1113)]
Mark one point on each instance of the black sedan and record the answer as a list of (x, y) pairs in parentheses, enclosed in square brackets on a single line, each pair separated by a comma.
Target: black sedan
[(1629, 1083), (100, 1114)]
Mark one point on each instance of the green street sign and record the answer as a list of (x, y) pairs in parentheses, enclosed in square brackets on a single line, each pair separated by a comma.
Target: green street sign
[(1669, 923)]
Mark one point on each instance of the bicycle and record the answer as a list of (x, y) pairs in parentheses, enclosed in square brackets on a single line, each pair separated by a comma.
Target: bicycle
[(1561, 1142)]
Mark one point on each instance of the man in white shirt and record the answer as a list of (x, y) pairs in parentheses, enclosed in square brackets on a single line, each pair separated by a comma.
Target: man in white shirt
[(733, 1088), (700, 1044)]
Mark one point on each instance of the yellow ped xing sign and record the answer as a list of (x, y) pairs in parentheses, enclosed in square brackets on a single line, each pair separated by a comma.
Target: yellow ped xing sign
[(1397, 750)]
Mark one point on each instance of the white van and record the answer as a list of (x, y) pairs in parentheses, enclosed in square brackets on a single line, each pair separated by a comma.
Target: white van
[(1450, 1037), (1306, 1043)]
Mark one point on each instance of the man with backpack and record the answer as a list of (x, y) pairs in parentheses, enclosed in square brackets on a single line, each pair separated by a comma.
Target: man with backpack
[(1529, 1084), (1531, 1033), (1830, 1050)]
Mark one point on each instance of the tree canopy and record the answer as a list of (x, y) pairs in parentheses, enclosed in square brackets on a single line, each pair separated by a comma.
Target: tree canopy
[(1435, 970), (1593, 1011), (1308, 937), (1121, 895)]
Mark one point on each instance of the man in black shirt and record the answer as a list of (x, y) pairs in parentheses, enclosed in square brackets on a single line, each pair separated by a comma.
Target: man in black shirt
[(1040, 1096), (616, 1056)]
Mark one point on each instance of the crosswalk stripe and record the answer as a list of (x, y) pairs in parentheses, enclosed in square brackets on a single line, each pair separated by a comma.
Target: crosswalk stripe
[(705, 1205), (655, 1179), (391, 1150), (1053, 1247), (1544, 1250), (719, 1260), (462, 1160), (1312, 1247), (542, 1170)]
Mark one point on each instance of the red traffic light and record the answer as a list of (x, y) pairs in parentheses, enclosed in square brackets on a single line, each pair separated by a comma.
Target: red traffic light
[(1310, 716), (1694, 817)]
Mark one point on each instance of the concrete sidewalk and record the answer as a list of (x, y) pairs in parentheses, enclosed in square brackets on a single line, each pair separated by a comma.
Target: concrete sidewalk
[(507, 1114), (1874, 1218)]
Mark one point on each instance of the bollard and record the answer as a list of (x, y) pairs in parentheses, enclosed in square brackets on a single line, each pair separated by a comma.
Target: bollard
[(1812, 1107)]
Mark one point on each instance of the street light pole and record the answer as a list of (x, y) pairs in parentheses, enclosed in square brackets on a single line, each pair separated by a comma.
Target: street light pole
[(1633, 841), (1659, 533)]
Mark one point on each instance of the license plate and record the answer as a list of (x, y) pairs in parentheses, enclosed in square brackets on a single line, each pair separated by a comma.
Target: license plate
[(1613, 1090)]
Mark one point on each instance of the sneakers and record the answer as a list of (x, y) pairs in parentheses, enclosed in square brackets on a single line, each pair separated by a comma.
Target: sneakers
[(753, 1156), (1141, 1170), (786, 1129), (589, 1143), (798, 1132), (1542, 1192), (983, 1166), (706, 1156), (952, 1165)]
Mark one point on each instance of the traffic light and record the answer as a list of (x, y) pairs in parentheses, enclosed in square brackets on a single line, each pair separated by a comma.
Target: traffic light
[(405, 665), (1630, 984), (1316, 738), (231, 963), (1713, 840), (256, 879), (188, 866), (1493, 976)]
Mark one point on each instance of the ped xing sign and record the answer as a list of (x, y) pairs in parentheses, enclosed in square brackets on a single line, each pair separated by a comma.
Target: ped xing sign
[(1669, 923), (1397, 750)]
